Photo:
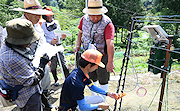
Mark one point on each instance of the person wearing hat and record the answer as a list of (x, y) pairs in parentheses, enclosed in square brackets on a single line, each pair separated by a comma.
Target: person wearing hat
[(72, 93), (49, 26), (33, 12), (96, 30), (15, 64)]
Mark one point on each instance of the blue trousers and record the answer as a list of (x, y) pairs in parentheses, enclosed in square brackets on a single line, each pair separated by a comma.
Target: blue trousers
[(33, 104)]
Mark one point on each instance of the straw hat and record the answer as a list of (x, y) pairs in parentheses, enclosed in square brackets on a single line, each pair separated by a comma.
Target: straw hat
[(20, 32), (33, 7), (95, 7)]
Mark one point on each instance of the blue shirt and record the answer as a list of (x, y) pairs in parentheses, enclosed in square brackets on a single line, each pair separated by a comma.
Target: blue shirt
[(51, 34), (17, 70), (73, 88)]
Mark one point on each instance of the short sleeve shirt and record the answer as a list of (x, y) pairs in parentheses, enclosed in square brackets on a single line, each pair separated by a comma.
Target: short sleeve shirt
[(109, 30)]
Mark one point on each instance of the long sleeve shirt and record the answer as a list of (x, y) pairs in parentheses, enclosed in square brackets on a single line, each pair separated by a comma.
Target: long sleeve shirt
[(17, 70), (51, 34)]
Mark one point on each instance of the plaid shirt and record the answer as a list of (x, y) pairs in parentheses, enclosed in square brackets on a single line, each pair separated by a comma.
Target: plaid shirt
[(17, 70)]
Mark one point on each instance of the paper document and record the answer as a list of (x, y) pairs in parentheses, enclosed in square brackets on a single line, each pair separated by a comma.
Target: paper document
[(59, 32), (46, 48)]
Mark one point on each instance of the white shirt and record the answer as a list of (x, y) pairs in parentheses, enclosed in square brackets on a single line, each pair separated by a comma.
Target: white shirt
[(38, 30)]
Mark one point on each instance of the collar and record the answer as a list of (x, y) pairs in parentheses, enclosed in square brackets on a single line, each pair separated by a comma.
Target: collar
[(81, 72), (25, 52), (50, 23), (85, 76)]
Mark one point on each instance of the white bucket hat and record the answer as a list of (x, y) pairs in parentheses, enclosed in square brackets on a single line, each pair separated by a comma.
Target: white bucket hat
[(95, 7), (33, 7)]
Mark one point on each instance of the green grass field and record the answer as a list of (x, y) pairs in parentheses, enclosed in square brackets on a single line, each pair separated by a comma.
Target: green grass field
[(137, 63)]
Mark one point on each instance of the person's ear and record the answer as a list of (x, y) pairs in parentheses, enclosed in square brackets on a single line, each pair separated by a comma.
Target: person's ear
[(89, 65)]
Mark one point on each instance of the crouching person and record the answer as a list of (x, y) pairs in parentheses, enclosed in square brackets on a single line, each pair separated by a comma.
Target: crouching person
[(16, 69), (72, 93)]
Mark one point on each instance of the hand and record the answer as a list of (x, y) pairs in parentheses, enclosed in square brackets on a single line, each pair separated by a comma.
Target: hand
[(63, 36), (110, 67), (54, 41), (49, 63), (115, 95), (76, 49), (103, 105), (44, 60)]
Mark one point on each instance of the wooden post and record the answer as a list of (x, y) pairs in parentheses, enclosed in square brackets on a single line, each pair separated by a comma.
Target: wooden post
[(163, 74)]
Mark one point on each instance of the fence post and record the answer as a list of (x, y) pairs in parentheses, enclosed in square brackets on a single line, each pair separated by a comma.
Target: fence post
[(163, 74)]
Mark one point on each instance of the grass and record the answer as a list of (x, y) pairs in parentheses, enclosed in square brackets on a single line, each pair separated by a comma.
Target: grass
[(137, 62)]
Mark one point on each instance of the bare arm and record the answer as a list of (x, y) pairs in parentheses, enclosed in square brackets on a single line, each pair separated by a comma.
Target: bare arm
[(110, 51), (78, 44)]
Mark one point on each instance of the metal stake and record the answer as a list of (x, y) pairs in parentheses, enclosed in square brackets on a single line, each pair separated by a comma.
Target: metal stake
[(60, 65), (163, 74)]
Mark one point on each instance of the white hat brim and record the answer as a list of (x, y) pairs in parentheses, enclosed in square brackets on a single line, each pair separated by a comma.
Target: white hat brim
[(100, 64), (34, 11), (97, 11)]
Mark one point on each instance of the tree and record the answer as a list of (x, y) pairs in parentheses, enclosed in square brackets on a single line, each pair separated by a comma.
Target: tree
[(53, 3), (121, 11), (6, 12), (73, 7), (61, 4), (47, 2), (168, 7)]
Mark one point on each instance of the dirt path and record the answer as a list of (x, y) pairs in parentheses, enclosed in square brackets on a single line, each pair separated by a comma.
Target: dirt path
[(133, 102)]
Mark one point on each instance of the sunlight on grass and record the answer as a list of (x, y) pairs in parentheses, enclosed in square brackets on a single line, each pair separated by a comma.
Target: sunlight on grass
[(136, 63)]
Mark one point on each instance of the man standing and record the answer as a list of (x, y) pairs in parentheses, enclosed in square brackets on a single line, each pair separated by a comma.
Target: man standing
[(97, 31), (49, 26), (32, 12), (16, 68)]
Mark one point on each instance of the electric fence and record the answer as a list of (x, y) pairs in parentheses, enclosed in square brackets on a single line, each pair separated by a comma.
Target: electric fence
[(124, 64), (164, 73), (160, 19)]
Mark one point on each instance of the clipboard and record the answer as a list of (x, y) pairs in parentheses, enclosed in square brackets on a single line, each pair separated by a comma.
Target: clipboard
[(60, 32), (45, 48)]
